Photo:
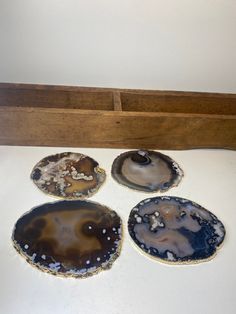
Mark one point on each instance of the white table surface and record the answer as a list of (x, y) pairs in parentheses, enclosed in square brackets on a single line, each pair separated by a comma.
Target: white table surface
[(135, 283)]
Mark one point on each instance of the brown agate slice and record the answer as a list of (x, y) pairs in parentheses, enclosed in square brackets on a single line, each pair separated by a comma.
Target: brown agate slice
[(69, 238), (175, 230), (147, 171), (68, 175)]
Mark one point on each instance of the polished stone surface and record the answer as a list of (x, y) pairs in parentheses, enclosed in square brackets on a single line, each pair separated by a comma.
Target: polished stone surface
[(147, 171), (175, 230), (68, 175), (69, 238)]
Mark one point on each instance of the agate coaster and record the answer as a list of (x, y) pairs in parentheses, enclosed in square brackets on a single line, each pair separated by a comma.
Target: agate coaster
[(69, 238), (175, 230), (68, 175), (147, 171)]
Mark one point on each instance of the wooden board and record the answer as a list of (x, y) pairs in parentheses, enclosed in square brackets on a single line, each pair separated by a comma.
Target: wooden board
[(100, 117)]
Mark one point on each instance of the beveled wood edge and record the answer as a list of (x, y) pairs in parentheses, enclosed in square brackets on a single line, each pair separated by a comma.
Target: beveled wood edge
[(115, 145), (68, 88), (116, 113)]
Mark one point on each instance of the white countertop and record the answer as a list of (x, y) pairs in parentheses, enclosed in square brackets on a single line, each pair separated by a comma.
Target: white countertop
[(135, 283)]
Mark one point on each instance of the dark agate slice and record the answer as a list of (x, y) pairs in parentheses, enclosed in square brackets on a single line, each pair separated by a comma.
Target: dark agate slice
[(175, 230), (68, 175), (69, 238), (147, 171)]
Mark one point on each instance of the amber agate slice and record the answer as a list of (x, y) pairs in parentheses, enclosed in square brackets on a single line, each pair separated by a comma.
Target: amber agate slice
[(69, 238), (147, 171), (68, 175), (175, 230)]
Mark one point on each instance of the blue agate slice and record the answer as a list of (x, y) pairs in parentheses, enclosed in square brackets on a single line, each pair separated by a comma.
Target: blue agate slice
[(175, 230)]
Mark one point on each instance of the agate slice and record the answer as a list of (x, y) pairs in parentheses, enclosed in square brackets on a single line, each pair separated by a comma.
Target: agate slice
[(147, 171), (175, 230), (68, 175), (69, 238)]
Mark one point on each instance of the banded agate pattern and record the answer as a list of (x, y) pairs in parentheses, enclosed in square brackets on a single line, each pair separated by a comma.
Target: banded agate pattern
[(69, 238), (147, 171), (175, 230), (68, 175)]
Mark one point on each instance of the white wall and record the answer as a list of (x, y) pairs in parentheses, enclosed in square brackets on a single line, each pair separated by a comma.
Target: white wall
[(156, 44)]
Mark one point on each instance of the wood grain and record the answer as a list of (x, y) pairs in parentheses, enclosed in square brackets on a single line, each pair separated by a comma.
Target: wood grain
[(166, 120), (28, 97), (117, 101), (180, 103)]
